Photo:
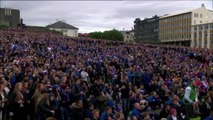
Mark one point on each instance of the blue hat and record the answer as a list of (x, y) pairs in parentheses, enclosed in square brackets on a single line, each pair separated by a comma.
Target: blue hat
[(110, 103), (55, 86), (118, 108)]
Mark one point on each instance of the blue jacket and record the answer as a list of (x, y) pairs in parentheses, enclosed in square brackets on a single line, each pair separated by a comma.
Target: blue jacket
[(130, 76), (136, 113), (209, 118), (105, 115)]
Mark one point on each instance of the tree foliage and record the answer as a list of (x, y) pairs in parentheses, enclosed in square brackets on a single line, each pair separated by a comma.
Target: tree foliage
[(114, 35), (55, 32), (4, 26)]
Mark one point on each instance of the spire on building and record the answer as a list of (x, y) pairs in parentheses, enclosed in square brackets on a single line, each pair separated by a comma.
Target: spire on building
[(203, 5)]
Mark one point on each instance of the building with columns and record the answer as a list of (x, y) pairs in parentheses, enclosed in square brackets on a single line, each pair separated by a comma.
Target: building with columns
[(9, 17), (177, 28), (202, 36)]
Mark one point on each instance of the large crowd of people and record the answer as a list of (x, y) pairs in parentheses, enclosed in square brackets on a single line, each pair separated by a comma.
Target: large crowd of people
[(45, 76)]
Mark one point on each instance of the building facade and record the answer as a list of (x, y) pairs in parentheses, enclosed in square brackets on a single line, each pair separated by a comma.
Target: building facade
[(146, 31), (9, 17), (202, 36), (66, 29), (176, 28), (128, 36)]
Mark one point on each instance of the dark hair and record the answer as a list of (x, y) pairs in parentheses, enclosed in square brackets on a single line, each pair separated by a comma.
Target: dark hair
[(107, 108), (211, 109), (51, 118), (45, 91)]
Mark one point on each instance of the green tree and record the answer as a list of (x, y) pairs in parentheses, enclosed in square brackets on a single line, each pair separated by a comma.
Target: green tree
[(95, 35), (114, 35), (54, 31), (4, 26)]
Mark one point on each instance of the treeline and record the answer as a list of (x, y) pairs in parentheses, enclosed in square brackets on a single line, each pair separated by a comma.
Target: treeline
[(114, 35), (3, 26)]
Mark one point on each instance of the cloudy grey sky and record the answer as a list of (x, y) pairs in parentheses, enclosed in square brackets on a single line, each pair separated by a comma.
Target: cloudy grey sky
[(91, 16)]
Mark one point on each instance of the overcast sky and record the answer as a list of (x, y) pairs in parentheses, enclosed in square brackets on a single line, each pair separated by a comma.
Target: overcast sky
[(91, 16)]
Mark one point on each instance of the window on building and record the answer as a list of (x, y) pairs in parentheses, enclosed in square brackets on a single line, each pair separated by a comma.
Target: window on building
[(7, 11), (200, 27), (211, 33), (200, 43), (205, 34), (195, 14), (195, 43), (201, 15), (206, 26), (200, 21), (205, 42), (195, 28), (200, 34)]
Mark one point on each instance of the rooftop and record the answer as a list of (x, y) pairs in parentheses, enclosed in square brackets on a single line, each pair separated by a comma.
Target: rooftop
[(9, 9), (182, 12), (61, 24)]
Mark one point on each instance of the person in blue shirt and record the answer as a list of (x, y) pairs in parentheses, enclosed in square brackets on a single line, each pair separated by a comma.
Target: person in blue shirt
[(130, 75), (107, 114), (136, 111), (210, 116)]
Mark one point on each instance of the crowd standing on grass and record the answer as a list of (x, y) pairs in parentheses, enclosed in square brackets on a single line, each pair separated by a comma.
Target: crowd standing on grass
[(46, 76)]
